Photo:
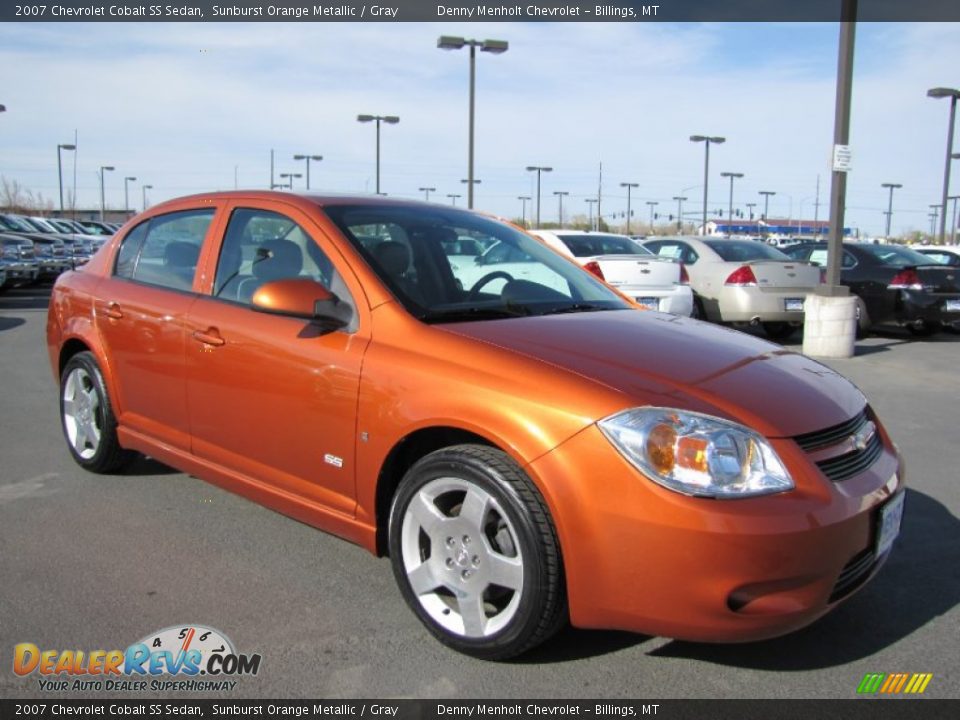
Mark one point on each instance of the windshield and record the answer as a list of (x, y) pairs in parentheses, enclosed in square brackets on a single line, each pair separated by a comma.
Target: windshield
[(596, 244), (745, 250), (14, 223), (408, 248)]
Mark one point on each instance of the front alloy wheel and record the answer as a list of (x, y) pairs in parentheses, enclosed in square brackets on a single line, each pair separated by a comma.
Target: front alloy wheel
[(86, 414), (475, 553)]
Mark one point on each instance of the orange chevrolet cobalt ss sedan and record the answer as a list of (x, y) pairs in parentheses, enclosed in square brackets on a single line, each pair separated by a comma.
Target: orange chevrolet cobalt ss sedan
[(527, 446)]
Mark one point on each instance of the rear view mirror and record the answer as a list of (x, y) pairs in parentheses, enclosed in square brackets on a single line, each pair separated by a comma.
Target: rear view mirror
[(302, 298)]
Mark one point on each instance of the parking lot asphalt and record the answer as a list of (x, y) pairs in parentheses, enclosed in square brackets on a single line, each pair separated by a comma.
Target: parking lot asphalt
[(99, 562)]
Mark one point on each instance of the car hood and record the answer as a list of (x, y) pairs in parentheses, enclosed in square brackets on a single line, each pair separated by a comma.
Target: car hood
[(665, 360)]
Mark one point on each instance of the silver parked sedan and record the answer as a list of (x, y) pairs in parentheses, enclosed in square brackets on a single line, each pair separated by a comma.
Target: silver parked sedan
[(743, 281)]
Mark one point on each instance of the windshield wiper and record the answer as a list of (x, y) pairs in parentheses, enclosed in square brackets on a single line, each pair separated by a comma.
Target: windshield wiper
[(576, 308), (473, 313)]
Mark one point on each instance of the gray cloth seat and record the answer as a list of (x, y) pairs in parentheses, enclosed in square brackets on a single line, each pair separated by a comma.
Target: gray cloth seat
[(276, 259), (394, 260)]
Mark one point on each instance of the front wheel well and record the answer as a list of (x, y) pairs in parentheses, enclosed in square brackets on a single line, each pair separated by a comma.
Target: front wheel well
[(402, 457), (70, 348)]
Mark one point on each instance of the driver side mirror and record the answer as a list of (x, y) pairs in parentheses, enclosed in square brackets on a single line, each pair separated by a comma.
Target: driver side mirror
[(302, 298)]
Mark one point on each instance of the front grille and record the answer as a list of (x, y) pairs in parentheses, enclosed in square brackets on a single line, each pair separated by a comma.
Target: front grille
[(849, 464), (853, 575), (853, 463), (832, 435)]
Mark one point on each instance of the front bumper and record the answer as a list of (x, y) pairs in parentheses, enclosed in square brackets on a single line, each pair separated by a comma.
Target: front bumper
[(639, 557)]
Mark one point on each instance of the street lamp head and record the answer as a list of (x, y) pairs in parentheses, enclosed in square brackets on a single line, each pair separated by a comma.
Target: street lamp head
[(450, 42), (731, 175), (707, 138), (108, 168), (475, 181), (130, 178), (391, 119), (891, 185), (531, 168), (942, 92), (365, 118), (629, 185), (496, 47), (955, 156), (766, 192), (148, 187), (66, 146), (3, 108)]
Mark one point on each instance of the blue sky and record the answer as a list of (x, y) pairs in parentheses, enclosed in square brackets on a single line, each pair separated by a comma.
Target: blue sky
[(185, 107)]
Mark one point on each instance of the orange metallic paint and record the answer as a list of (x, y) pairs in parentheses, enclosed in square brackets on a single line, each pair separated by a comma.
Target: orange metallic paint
[(302, 420)]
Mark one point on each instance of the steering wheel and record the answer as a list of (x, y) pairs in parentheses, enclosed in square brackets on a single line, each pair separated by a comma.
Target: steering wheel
[(488, 278)]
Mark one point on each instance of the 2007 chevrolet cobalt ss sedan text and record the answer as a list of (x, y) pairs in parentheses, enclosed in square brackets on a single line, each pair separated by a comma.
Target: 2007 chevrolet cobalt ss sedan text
[(526, 452)]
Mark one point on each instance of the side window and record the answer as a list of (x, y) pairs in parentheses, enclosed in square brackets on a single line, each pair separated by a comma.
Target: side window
[(164, 250), (848, 261), (130, 251), (261, 246)]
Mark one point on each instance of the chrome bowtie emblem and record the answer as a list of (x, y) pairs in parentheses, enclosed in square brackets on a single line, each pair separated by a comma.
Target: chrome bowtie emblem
[(864, 435)]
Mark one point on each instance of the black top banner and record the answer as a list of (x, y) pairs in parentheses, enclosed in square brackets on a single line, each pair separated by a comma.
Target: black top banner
[(458, 11)]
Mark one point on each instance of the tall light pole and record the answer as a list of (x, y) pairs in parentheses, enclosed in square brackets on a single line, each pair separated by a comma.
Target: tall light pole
[(426, 192), (103, 169), (145, 188), (560, 194), (935, 213), (3, 108), (497, 47), (390, 120), (651, 204), (680, 200), (953, 94), (126, 193), (470, 183), (63, 146), (733, 176), (308, 158), (889, 213), (766, 202), (289, 177), (629, 186), (706, 140), (453, 198), (750, 207), (538, 169), (523, 208), (590, 203), (953, 218)]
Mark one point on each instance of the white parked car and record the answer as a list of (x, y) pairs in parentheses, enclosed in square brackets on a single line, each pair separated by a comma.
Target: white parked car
[(656, 283), (743, 281), (943, 254)]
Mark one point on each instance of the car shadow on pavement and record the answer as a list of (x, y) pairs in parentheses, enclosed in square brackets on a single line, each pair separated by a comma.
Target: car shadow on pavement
[(143, 466), (920, 582), (8, 323)]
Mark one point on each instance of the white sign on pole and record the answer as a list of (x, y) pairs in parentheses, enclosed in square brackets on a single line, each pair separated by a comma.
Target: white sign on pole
[(841, 158)]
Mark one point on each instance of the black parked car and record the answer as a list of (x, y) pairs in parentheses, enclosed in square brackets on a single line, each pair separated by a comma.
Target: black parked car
[(893, 284)]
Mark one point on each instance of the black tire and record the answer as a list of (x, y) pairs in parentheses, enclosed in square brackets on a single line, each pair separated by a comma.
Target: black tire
[(86, 416), (863, 320), (778, 331), (514, 529), (924, 329), (698, 312)]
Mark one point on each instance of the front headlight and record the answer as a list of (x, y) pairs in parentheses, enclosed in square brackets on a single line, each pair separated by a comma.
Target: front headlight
[(697, 454)]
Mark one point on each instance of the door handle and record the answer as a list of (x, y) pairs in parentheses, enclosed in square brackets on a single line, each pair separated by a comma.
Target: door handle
[(113, 311), (210, 336)]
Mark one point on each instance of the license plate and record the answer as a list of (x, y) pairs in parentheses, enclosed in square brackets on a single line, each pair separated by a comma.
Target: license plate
[(793, 304), (651, 303), (952, 306), (889, 523)]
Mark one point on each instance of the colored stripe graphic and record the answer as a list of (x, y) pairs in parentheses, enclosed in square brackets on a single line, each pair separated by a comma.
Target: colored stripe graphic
[(894, 683)]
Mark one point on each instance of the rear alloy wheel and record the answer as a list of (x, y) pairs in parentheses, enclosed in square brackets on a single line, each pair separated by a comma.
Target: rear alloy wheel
[(89, 425), (475, 553), (863, 319), (778, 331)]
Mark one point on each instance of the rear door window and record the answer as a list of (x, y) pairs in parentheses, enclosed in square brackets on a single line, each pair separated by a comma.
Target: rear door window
[(164, 250)]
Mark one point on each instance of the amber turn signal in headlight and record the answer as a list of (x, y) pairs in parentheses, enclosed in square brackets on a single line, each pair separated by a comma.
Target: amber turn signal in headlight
[(697, 454)]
